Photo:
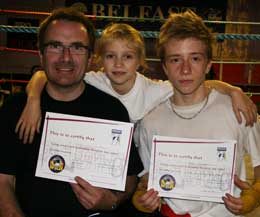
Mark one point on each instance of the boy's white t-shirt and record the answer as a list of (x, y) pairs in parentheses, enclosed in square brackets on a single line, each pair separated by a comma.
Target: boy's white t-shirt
[(216, 121), (142, 98)]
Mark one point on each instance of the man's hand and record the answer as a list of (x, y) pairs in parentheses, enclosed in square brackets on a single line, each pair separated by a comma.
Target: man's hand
[(93, 198)]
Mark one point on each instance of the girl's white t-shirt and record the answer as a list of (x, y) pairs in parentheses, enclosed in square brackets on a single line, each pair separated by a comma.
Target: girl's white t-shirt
[(145, 95)]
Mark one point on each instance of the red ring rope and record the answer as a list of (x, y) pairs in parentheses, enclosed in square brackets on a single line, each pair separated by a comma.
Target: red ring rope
[(36, 13), (13, 81), (18, 50)]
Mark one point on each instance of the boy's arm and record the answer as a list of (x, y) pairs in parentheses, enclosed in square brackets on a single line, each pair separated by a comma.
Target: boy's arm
[(240, 101), (30, 119), (145, 200), (8, 203), (249, 198)]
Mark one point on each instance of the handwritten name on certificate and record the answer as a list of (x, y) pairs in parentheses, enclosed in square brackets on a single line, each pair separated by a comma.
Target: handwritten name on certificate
[(95, 149), (192, 169)]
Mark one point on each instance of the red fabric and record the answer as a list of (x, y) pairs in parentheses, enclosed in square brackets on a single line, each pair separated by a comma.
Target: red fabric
[(166, 211)]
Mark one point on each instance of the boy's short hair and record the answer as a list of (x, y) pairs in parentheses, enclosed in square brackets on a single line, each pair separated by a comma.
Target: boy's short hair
[(182, 26)]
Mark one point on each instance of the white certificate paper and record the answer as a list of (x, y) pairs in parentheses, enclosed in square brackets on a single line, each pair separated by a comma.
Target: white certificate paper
[(192, 169), (95, 149)]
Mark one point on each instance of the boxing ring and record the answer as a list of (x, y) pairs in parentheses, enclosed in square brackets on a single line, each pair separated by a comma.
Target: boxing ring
[(253, 66), (218, 62)]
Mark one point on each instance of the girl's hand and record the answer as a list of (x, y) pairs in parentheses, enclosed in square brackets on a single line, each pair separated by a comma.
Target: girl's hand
[(30, 121), (242, 103)]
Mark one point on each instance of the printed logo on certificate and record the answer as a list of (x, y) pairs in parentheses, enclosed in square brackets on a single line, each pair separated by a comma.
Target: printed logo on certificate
[(95, 149), (193, 169)]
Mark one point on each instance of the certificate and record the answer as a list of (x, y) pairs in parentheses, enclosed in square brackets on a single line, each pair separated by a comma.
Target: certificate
[(95, 149), (192, 169)]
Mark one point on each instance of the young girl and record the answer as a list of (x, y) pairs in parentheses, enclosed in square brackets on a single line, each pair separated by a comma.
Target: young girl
[(120, 52)]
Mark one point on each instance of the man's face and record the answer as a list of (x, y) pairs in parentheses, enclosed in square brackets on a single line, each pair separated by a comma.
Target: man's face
[(186, 64), (65, 67)]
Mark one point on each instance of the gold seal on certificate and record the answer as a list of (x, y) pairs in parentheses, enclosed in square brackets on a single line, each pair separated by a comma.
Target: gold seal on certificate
[(56, 163), (167, 182)]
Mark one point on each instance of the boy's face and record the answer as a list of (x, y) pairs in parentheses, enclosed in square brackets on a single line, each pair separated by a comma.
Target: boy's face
[(186, 64), (120, 61)]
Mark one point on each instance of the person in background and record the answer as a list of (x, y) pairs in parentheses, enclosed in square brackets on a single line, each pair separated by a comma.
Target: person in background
[(66, 40), (185, 49)]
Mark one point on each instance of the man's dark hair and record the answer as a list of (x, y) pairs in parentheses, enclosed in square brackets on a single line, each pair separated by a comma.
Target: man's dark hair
[(69, 14)]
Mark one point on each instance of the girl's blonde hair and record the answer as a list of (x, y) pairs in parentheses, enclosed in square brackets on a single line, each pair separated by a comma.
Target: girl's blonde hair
[(121, 31)]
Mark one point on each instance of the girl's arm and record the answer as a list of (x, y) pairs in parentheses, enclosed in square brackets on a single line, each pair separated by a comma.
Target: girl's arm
[(30, 119), (240, 101)]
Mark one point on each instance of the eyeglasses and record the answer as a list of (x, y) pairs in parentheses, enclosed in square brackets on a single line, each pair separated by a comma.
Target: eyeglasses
[(74, 48)]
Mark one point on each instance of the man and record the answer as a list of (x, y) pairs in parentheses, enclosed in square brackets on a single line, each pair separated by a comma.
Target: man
[(66, 39), (195, 111)]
